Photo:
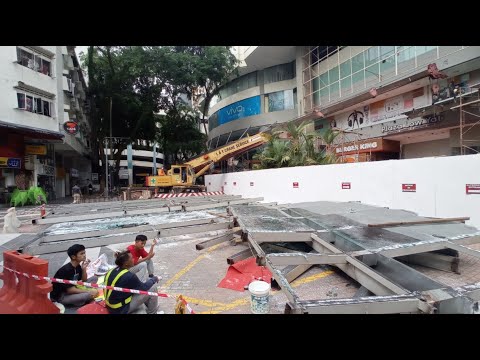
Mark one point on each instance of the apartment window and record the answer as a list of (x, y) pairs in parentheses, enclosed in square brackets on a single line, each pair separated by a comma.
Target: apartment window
[(33, 61), (34, 104)]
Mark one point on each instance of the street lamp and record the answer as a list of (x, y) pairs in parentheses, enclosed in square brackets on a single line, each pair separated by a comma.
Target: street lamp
[(111, 138)]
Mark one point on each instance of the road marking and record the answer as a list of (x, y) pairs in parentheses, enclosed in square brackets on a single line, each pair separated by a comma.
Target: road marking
[(246, 300), (312, 278), (189, 266)]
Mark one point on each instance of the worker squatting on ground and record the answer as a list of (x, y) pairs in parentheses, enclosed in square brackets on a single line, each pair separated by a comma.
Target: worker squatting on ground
[(142, 259), (76, 269), (124, 303)]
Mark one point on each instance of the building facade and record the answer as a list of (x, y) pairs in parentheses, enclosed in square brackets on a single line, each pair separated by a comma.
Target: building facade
[(44, 128), (387, 102)]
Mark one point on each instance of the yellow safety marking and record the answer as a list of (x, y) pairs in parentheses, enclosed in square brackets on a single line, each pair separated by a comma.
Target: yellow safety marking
[(246, 300), (189, 266), (226, 307), (312, 278)]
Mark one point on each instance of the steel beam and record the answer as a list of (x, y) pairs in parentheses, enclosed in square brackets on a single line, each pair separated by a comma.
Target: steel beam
[(360, 272), (139, 229), (369, 305), (306, 259), (282, 282), (242, 255), (433, 261), (108, 240), (217, 240), (267, 237)]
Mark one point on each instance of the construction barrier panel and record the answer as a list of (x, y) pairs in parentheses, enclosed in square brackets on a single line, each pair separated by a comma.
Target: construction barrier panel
[(21, 294)]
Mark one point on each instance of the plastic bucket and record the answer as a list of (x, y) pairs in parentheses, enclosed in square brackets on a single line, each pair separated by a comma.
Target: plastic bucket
[(259, 292)]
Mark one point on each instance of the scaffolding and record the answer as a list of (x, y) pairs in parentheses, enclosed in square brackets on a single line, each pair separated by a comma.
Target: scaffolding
[(472, 98), (349, 136)]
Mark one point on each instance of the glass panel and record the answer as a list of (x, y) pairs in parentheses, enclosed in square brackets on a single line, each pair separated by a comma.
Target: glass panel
[(358, 77), (316, 98), (405, 53), (38, 106), (38, 64), (371, 56), (316, 83), (45, 67), (29, 103), (334, 89), (276, 101), (333, 73), (21, 100), (324, 80), (386, 51), (46, 108), (345, 68), (346, 84), (357, 63)]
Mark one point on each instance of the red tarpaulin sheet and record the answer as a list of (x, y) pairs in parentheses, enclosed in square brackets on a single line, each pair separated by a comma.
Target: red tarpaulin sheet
[(243, 273)]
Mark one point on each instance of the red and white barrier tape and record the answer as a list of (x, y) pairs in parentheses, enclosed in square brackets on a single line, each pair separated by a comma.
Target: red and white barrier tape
[(74, 282), (166, 196)]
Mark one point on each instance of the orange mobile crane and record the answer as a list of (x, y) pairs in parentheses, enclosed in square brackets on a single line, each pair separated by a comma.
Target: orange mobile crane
[(182, 178)]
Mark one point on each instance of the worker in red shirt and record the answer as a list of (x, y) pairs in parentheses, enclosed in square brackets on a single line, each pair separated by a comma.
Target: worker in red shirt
[(141, 259)]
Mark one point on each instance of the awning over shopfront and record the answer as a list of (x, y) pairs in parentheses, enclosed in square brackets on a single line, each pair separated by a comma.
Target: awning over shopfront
[(32, 132)]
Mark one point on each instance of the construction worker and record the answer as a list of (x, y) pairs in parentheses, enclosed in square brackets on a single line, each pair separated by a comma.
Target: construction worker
[(141, 259), (118, 302)]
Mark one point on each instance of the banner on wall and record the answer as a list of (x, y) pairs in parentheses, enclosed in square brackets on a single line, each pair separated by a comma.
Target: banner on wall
[(382, 111), (239, 109)]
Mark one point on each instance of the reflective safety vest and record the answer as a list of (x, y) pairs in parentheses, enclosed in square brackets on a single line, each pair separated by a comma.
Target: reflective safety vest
[(108, 292)]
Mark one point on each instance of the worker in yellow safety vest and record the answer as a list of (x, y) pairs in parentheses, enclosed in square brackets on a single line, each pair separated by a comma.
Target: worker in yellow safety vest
[(118, 302)]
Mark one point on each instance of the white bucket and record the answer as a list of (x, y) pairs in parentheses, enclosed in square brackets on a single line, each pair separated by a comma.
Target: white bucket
[(259, 292)]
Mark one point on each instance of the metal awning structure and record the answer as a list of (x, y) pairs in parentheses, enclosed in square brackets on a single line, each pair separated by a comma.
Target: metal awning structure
[(375, 258), (33, 132)]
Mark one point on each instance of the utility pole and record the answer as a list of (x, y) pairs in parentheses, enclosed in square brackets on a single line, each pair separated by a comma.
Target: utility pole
[(111, 139), (106, 168)]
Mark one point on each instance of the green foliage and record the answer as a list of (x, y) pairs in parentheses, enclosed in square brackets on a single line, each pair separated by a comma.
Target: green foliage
[(30, 196), (19, 197), (134, 83), (298, 149), (36, 195)]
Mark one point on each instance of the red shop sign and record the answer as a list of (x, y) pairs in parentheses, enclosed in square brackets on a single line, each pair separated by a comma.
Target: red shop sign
[(409, 187), (472, 189), (70, 127)]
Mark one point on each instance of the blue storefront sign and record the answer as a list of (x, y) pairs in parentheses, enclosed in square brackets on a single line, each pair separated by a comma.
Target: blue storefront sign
[(13, 163), (239, 109)]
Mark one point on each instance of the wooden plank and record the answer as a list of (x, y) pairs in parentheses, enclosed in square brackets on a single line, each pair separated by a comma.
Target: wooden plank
[(416, 222)]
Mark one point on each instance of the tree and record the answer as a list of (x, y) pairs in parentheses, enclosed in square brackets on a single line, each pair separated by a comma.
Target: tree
[(201, 70), (290, 145), (119, 88), (178, 136)]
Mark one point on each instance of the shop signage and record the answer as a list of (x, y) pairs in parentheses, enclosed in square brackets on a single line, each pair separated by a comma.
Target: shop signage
[(413, 124), (295, 185), (409, 187), (251, 183), (472, 189), (73, 172), (35, 150), (70, 127), (346, 185), (10, 162), (357, 147)]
